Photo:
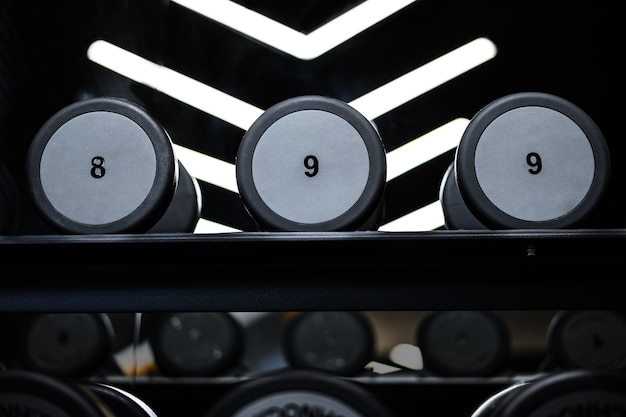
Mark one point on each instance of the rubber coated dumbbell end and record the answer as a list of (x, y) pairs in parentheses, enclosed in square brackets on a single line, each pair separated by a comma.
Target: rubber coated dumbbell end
[(298, 393), (532, 160), (101, 165), (567, 393), (311, 163)]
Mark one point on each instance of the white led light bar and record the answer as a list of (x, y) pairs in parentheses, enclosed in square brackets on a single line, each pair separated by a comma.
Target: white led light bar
[(208, 227), (429, 217), (288, 40), (373, 104), (207, 169), (174, 84), (424, 148), (425, 78)]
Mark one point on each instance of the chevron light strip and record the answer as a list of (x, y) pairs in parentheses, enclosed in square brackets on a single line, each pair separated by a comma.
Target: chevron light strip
[(400, 160), (427, 218), (425, 78), (208, 227), (242, 114), (424, 148), (207, 169), (174, 84), (288, 40)]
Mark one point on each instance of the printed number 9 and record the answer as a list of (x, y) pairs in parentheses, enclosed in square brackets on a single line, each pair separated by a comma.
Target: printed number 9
[(311, 163), (534, 162)]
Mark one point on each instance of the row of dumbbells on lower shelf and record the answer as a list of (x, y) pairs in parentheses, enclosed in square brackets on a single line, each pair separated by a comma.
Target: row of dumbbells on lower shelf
[(315, 363), (310, 163), (584, 393)]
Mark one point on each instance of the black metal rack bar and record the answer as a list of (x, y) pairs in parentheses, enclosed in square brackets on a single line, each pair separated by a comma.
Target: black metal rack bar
[(530, 269)]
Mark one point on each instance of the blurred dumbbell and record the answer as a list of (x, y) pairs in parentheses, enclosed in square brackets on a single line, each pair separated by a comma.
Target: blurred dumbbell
[(592, 339), (105, 165), (195, 343), (121, 402), (312, 163), (298, 393), (529, 160), (28, 393), (463, 343), (67, 344), (337, 342), (565, 393)]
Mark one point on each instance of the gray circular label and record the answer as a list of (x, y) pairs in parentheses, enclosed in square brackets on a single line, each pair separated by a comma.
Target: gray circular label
[(534, 163), (297, 403), (310, 166), (98, 167)]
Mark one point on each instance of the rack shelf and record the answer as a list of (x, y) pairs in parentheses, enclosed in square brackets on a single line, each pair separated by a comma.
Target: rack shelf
[(266, 271)]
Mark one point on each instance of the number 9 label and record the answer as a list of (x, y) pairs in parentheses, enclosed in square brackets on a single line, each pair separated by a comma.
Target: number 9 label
[(318, 163)]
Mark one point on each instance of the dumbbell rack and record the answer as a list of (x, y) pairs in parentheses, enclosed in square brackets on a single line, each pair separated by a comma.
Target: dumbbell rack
[(258, 271)]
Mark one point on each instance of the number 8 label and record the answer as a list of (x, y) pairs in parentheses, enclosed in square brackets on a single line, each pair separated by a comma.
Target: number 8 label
[(101, 165)]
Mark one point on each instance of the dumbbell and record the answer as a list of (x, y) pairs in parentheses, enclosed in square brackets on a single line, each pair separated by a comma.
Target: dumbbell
[(296, 392), (185, 208), (195, 343), (337, 342), (67, 344), (456, 214), (463, 343), (528, 160), (312, 163), (591, 339), (28, 393), (564, 393), (105, 165), (121, 402)]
